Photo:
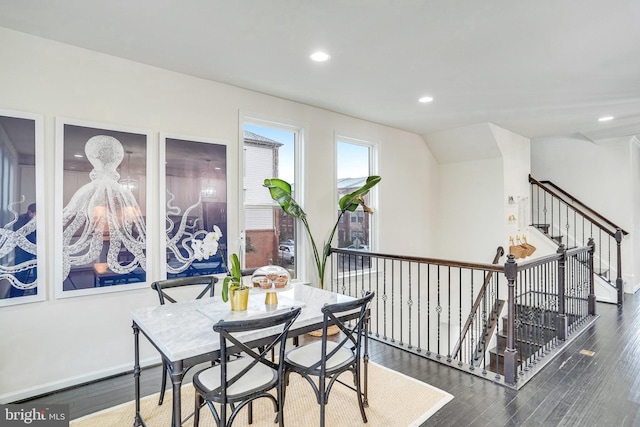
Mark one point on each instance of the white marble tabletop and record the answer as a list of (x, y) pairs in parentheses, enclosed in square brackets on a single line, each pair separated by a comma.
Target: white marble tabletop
[(184, 329)]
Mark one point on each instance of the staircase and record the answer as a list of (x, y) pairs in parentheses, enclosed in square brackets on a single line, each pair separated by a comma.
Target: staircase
[(544, 229), (532, 335), (567, 221)]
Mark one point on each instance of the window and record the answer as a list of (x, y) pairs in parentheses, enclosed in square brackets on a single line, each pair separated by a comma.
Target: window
[(354, 163), (270, 151)]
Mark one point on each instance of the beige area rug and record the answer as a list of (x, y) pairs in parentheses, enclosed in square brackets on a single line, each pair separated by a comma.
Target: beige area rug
[(394, 400)]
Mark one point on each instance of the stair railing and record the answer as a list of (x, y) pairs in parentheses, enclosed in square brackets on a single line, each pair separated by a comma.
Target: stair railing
[(481, 318), (548, 299), (569, 221), (573, 200), (423, 305)]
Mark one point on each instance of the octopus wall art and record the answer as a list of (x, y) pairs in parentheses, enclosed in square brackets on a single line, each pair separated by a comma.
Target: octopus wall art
[(103, 226), (101, 238), (17, 238), (21, 151), (195, 208)]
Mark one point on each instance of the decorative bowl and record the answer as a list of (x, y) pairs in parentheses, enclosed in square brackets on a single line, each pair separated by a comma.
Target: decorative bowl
[(270, 277)]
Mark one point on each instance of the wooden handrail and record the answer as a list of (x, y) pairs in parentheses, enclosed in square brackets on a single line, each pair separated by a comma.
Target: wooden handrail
[(434, 261), (580, 211), (476, 304)]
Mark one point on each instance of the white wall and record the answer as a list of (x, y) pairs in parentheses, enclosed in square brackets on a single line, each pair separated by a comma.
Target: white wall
[(604, 175), (516, 152), (58, 342), (471, 223), (480, 167)]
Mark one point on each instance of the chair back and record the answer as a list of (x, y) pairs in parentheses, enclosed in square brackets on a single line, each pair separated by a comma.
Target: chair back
[(248, 271), (231, 342), (161, 286), (352, 330)]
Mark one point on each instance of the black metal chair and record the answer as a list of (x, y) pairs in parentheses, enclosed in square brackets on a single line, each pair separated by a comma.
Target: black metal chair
[(162, 286), (237, 383), (326, 359)]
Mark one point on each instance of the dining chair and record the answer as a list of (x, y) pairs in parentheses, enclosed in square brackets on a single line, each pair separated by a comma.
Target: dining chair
[(238, 382), (165, 288), (326, 359)]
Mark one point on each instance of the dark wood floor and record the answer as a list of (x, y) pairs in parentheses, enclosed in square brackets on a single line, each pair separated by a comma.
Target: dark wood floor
[(572, 390)]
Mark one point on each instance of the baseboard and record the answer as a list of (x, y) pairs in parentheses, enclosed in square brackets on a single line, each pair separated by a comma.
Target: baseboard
[(51, 387)]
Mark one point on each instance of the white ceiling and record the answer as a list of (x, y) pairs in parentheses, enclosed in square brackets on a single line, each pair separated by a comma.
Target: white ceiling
[(537, 68)]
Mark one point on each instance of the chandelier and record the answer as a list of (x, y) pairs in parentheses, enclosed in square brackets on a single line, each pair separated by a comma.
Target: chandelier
[(129, 183), (208, 190)]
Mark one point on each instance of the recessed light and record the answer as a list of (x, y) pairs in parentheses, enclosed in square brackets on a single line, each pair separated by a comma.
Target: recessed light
[(320, 56), (425, 99), (605, 119)]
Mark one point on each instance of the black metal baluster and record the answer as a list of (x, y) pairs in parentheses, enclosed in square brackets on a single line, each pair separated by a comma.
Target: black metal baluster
[(409, 307), (449, 313), (428, 309), (438, 311), (377, 299), (419, 348), (385, 297), (401, 305), (393, 300)]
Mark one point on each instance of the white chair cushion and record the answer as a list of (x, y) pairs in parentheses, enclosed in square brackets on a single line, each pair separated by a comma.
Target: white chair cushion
[(257, 376), (309, 354)]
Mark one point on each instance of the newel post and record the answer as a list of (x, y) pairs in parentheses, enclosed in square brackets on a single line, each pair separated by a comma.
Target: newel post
[(619, 284), (510, 353), (592, 284), (562, 326)]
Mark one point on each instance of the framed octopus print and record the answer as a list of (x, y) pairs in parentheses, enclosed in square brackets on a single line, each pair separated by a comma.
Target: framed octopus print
[(22, 238), (102, 199), (194, 206)]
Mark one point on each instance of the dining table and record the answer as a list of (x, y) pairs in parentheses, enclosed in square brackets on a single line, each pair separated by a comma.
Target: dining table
[(183, 332)]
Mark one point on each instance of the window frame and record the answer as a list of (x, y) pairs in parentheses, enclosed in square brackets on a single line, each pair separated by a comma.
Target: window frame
[(299, 131), (374, 147)]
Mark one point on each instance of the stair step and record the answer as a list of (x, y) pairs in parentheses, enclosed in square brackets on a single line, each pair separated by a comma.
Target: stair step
[(498, 355), (525, 325), (542, 227), (502, 341)]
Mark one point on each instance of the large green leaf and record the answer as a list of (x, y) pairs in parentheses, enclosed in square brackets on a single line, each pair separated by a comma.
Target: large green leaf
[(280, 191), (350, 202)]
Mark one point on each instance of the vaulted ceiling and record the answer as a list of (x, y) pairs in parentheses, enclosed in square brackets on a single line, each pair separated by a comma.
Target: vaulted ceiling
[(537, 68)]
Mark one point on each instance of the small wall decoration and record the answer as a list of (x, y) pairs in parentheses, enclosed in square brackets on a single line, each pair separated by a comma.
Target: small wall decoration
[(101, 236), (22, 236), (194, 205)]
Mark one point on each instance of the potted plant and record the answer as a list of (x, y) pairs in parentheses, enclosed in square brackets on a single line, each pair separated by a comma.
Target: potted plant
[(280, 191), (233, 287)]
